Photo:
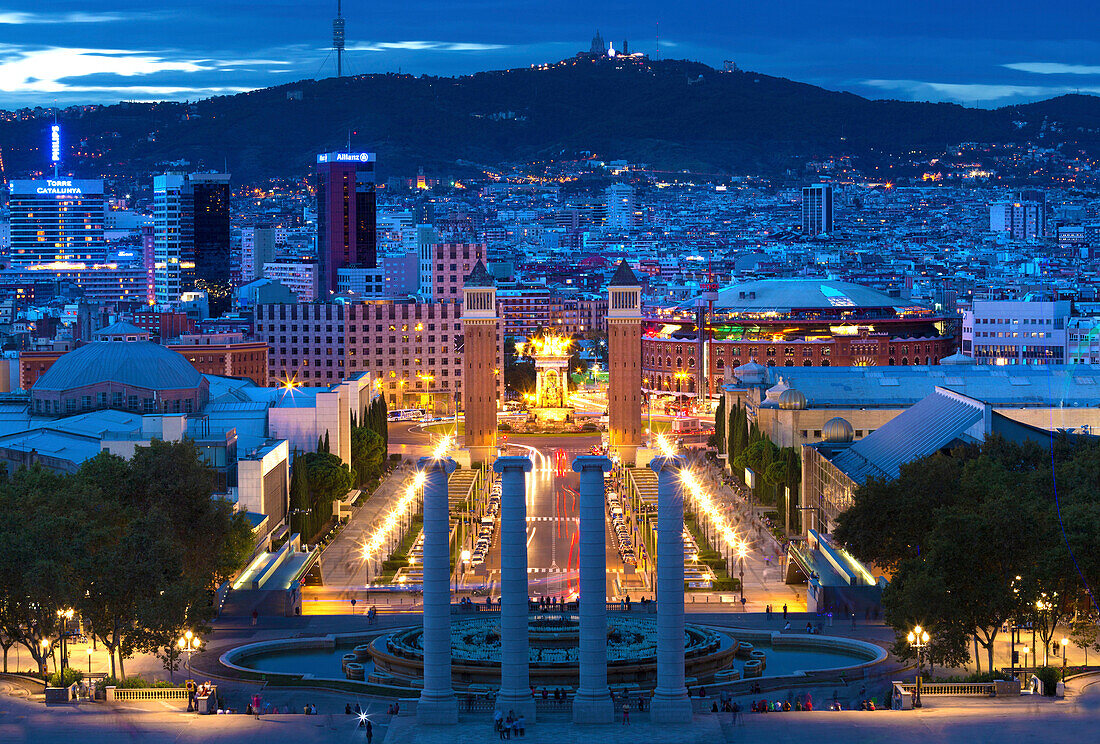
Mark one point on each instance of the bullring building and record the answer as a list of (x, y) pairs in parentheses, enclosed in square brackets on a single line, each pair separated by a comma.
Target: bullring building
[(786, 323)]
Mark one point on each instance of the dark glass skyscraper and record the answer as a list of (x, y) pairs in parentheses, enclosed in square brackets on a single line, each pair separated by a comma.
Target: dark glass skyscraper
[(346, 214), (210, 199)]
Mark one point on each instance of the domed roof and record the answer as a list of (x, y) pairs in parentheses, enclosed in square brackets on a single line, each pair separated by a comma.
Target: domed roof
[(837, 430), (957, 358), (139, 364), (751, 372), (792, 400), (785, 295)]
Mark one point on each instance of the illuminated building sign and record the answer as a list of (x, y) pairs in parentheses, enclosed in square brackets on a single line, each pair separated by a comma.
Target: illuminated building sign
[(346, 157), (58, 187), (55, 143)]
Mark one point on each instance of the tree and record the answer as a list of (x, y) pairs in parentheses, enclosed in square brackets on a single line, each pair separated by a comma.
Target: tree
[(720, 419), (367, 455)]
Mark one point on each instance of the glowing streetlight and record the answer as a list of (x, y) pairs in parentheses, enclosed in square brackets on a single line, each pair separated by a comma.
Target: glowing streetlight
[(189, 643), (918, 639), (1065, 645)]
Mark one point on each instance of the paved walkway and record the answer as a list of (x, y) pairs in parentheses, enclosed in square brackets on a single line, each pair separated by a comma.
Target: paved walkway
[(341, 563)]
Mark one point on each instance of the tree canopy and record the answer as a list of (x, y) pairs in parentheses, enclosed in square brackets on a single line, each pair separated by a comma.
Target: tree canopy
[(981, 535)]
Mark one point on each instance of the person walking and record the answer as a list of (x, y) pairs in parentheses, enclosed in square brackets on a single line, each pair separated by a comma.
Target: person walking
[(784, 610), (626, 713), (255, 617), (370, 731)]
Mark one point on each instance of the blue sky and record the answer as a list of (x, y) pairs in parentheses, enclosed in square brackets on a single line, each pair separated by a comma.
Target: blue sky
[(976, 53)]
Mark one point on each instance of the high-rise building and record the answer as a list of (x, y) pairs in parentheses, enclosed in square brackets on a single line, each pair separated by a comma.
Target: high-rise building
[(620, 207), (173, 236), (817, 209), (300, 277), (210, 202), (1022, 220), (257, 249), (57, 220), (346, 214)]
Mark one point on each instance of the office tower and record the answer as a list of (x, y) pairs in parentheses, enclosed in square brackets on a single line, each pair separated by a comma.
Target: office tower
[(210, 220), (346, 214), (57, 220), (1001, 332), (1022, 220), (620, 207), (257, 249), (173, 236), (817, 209)]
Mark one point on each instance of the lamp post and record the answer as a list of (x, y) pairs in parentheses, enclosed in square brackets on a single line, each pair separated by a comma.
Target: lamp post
[(741, 571), (1065, 645), (189, 642), (89, 662), (1025, 650), (45, 667), (918, 639), (465, 557)]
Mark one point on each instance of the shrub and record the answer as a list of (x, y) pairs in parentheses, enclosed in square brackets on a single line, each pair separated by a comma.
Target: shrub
[(727, 585), (504, 427), (394, 563), (1049, 677), (71, 677), (589, 427)]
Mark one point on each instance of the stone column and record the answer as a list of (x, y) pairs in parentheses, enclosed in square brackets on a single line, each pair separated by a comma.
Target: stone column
[(515, 676), (592, 703), (670, 698), (437, 703)]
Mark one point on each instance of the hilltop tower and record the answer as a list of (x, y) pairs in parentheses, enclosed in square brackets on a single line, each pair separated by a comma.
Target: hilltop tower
[(624, 345), (599, 48), (338, 39), (479, 362)]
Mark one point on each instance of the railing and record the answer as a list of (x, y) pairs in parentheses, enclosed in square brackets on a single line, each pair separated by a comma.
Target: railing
[(147, 693), (952, 688)]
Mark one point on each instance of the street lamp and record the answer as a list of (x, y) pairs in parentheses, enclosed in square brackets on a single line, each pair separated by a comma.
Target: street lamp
[(190, 642), (918, 639), (64, 616), (465, 556), (89, 662), (45, 642), (741, 571), (1065, 645)]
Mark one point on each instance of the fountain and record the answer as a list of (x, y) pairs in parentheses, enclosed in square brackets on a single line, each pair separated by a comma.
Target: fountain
[(550, 408)]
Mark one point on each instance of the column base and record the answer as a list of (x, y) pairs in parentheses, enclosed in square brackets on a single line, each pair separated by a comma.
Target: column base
[(522, 704), (441, 710), (477, 455), (593, 709), (670, 708)]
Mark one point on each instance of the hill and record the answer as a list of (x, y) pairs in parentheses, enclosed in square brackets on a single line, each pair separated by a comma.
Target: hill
[(673, 114)]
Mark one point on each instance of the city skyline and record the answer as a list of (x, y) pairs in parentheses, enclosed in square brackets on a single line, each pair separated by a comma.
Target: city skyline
[(127, 51)]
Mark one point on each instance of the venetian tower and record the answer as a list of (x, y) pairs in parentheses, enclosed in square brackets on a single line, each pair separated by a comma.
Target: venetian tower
[(479, 362), (624, 346)]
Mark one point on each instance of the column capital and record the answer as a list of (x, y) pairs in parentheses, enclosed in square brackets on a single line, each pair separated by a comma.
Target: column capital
[(591, 462), (668, 462), (432, 464), (513, 462)]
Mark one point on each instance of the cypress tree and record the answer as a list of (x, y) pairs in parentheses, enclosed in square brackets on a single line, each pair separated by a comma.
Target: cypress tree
[(327, 449)]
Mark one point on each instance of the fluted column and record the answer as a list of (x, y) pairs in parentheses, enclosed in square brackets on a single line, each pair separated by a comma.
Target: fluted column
[(592, 703), (437, 703), (515, 673), (670, 698)]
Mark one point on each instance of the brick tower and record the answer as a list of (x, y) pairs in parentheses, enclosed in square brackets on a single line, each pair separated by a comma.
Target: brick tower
[(479, 363), (624, 345)]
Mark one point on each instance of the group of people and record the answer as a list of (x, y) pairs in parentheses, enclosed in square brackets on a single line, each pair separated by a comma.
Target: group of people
[(508, 725)]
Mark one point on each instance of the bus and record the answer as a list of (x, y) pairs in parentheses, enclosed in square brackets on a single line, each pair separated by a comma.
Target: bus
[(405, 414)]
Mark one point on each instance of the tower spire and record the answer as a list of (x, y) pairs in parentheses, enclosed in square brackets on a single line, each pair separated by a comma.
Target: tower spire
[(338, 39)]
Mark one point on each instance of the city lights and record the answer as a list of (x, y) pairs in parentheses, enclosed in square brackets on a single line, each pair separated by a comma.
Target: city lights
[(393, 519)]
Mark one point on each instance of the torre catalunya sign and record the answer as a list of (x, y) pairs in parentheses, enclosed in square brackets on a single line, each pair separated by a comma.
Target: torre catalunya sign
[(57, 187)]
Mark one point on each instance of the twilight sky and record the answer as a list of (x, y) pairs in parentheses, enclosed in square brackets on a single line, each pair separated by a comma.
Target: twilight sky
[(975, 52)]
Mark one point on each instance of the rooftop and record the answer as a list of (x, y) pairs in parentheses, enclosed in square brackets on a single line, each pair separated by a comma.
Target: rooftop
[(139, 364), (786, 295)]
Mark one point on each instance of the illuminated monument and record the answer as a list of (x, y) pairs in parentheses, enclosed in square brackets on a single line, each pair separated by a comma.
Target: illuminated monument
[(624, 345), (479, 362), (551, 355)]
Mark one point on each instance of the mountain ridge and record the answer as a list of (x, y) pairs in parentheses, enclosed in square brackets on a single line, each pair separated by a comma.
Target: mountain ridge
[(674, 114)]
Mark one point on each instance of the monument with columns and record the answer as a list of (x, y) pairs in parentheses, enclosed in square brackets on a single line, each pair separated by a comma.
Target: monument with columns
[(437, 704), (624, 346), (515, 647)]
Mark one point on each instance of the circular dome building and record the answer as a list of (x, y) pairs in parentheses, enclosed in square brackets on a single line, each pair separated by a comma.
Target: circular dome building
[(137, 376), (837, 431), (792, 400), (787, 323)]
